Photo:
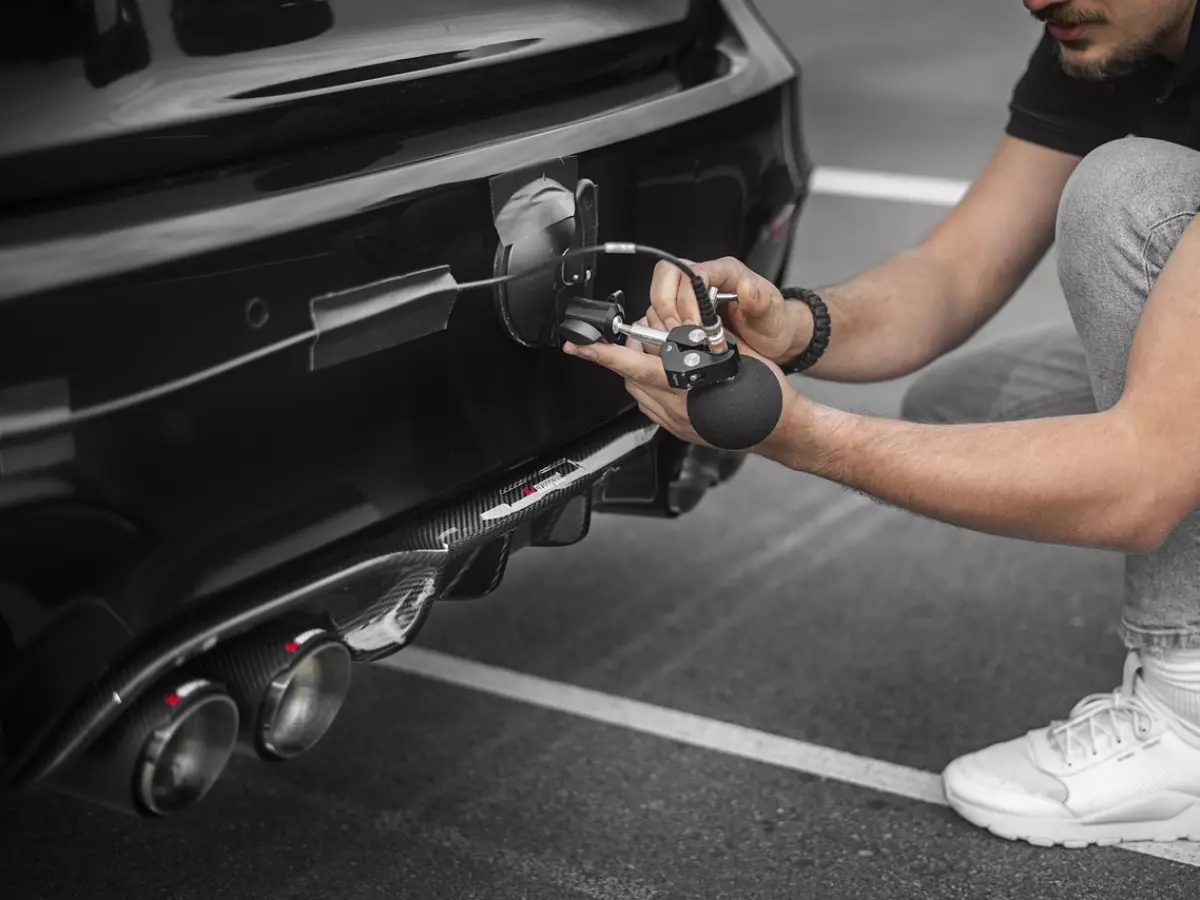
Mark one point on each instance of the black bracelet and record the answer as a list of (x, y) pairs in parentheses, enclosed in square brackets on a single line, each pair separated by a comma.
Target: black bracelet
[(822, 328)]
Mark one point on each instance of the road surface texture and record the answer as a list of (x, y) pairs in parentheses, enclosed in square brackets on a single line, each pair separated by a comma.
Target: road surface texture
[(786, 617)]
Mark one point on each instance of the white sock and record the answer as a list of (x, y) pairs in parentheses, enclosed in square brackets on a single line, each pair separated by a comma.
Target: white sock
[(1173, 676)]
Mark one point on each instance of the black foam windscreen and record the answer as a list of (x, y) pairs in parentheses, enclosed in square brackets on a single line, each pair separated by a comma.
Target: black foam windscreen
[(741, 412)]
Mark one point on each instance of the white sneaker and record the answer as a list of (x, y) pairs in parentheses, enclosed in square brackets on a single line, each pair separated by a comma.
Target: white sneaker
[(1122, 768)]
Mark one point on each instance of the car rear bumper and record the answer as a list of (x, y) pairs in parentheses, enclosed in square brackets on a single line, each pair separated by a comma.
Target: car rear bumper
[(363, 491)]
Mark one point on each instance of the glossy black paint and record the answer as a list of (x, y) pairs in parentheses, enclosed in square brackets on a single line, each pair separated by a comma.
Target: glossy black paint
[(258, 445), (111, 92), (111, 282)]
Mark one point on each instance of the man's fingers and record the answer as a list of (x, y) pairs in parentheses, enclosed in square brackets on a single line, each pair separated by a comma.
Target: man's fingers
[(674, 302), (724, 273), (732, 276), (664, 293), (685, 301), (628, 363), (650, 321), (647, 404)]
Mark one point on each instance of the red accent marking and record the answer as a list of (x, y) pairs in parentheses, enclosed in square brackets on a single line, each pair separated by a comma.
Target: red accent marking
[(172, 699), (291, 646), (780, 223), (527, 490)]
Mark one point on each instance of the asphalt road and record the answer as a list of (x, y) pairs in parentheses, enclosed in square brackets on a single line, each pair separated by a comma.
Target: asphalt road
[(863, 629)]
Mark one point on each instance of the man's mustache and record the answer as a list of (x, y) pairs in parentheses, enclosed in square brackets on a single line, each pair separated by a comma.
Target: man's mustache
[(1064, 17)]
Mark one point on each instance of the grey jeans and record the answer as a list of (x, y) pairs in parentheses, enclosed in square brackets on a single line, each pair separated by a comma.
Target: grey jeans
[(1119, 219)]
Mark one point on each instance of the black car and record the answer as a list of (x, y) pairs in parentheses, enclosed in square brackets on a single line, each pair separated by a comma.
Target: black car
[(263, 395)]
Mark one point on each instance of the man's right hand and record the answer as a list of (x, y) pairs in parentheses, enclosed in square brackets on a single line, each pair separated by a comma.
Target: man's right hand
[(760, 318)]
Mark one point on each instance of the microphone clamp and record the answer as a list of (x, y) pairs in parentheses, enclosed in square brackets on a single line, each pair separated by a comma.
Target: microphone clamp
[(688, 357), (734, 402)]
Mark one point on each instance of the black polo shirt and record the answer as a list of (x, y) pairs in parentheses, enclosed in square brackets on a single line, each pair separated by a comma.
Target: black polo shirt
[(1162, 100)]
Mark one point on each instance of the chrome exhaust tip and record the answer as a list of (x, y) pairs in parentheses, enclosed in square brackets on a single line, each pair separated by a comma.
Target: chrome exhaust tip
[(165, 753), (289, 685), (183, 758), (304, 698)]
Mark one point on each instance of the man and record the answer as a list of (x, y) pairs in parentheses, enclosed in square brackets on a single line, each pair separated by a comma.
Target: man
[(1090, 437)]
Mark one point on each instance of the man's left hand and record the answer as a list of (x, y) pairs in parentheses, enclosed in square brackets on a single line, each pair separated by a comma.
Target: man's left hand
[(641, 367)]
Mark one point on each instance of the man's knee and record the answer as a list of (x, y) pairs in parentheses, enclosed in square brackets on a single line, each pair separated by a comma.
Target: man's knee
[(1120, 218), (1121, 193)]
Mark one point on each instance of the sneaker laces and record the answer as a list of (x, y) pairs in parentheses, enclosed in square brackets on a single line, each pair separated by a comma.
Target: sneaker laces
[(1099, 716)]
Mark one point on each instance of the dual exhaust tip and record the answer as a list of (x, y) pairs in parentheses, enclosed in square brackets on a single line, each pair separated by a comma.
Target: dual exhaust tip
[(274, 691), (288, 687)]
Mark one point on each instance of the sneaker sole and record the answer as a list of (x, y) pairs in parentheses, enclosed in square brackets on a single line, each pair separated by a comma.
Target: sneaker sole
[(1078, 835)]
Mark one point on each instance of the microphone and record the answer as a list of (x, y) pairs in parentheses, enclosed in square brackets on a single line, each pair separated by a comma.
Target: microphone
[(738, 413), (733, 401)]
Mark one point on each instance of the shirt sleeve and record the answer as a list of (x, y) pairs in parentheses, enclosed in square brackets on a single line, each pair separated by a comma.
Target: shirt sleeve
[(1056, 110)]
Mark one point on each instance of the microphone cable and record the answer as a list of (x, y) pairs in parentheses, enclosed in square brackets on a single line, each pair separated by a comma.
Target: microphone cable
[(27, 423)]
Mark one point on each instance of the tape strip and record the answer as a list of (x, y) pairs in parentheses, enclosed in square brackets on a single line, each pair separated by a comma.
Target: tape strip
[(534, 198), (535, 210), (364, 320)]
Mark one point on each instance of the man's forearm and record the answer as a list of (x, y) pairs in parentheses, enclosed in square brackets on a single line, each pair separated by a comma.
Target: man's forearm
[(889, 321), (1071, 480), (913, 307)]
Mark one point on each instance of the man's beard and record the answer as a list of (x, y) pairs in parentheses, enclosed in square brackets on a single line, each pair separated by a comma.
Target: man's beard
[(1123, 61), (1117, 64)]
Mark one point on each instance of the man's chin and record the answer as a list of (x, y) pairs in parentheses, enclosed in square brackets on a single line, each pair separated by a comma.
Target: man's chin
[(1090, 63)]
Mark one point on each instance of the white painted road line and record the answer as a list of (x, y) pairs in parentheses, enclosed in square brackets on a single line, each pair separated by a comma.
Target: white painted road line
[(887, 186), (709, 734)]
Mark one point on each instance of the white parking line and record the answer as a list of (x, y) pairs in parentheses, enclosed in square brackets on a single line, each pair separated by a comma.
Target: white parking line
[(887, 186), (710, 734)]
